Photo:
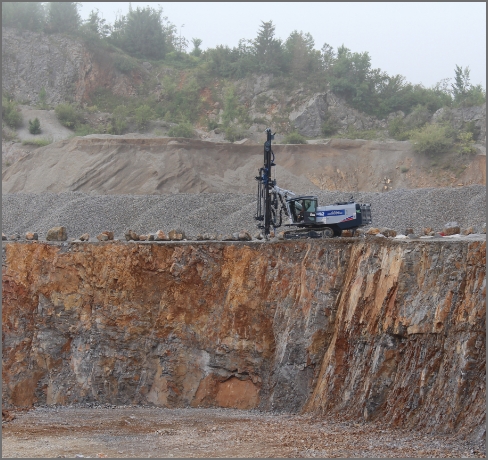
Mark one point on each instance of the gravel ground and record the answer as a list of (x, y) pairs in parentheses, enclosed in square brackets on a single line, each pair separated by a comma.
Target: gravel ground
[(143, 432), (224, 213)]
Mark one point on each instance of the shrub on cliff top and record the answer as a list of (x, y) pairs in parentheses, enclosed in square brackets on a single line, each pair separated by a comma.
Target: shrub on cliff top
[(432, 139), (182, 130), (68, 115), (294, 138)]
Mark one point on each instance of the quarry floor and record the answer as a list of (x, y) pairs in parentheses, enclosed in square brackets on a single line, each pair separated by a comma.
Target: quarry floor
[(148, 432)]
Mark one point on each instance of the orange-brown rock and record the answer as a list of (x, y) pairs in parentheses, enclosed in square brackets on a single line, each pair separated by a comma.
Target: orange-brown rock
[(371, 329)]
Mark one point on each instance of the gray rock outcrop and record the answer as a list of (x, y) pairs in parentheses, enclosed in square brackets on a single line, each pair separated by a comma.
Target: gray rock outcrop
[(59, 64), (310, 116), (460, 116)]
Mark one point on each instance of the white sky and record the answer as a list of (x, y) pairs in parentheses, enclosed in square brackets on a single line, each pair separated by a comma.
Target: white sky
[(421, 41)]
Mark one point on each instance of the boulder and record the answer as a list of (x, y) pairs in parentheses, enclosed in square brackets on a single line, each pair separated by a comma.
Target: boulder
[(388, 232), (373, 231), (31, 236), (102, 237), (451, 228), (57, 234), (244, 235), (160, 236), (427, 230), (176, 235), (143, 237), (110, 235), (468, 231)]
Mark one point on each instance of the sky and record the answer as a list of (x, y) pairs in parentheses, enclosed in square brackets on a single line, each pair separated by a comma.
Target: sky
[(421, 41)]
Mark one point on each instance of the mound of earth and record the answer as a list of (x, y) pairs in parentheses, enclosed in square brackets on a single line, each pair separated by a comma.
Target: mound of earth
[(142, 164)]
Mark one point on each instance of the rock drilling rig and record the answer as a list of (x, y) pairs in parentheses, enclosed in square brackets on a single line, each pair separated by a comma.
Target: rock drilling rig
[(305, 217)]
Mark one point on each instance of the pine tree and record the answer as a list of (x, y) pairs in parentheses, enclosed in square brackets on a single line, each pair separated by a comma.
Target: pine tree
[(35, 126)]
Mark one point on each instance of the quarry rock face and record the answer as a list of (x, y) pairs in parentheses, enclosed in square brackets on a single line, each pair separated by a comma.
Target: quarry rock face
[(376, 330)]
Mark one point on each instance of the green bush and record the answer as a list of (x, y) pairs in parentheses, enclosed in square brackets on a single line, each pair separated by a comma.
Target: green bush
[(119, 119), (123, 64), (182, 130), (432, 139), (68, 115), (84, 130), (212, 124), (465, 143), (330, 125), (142, 116), (38, 142), (35, 126), (43, 98), (294, 138), (11, 114), (234, 133)]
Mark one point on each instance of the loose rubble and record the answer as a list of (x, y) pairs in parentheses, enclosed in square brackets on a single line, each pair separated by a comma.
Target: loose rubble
[(223, 213)]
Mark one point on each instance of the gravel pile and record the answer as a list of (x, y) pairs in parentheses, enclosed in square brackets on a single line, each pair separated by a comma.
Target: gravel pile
[(224, 213)]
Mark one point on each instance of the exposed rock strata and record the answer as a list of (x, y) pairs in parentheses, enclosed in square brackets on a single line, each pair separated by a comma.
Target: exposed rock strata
[(375, 329)]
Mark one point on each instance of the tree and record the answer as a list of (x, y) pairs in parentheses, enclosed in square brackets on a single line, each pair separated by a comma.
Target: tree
[(142, 33), (95, 26), (196, 47), (62, 17), (301, 59), (35, 126), (464, 93), (268, 50), (23, 15)]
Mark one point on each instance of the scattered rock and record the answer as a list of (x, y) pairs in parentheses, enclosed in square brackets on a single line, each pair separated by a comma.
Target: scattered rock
[(143, 237), (347, 233), (110, 235), (373, 231), (57, 234), (451, 228), (388, 232), (4, 237), (427, 230), (84, 237), (131, 235), (102, 237), (431, 234), (176, 235), (244, 235), (199, 237), (281, 235), (258, 236), (31, 236), (150, 237), (161, 236), (14, 237)]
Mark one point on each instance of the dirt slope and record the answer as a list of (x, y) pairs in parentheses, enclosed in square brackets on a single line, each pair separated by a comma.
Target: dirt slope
[(138, 164)]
